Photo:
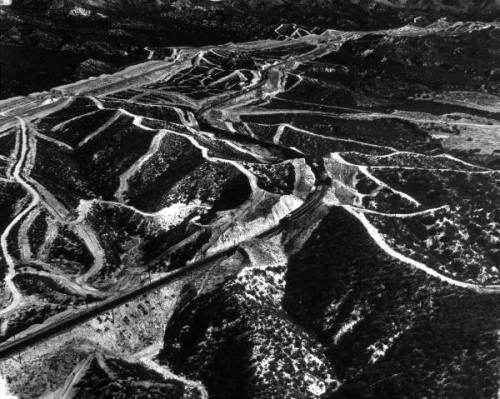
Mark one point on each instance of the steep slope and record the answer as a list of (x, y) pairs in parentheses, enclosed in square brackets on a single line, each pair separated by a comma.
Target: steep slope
[(390, 331)]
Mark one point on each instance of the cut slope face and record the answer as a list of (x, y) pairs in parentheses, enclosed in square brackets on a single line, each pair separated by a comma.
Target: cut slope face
[(328, 201)]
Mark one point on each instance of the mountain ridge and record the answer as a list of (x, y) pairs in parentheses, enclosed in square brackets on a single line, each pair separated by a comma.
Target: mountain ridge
[(458, 7)]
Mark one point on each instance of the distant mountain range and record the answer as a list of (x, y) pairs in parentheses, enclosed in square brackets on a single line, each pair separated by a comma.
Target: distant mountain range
[(461, 7), (116, 31), (458, 6)]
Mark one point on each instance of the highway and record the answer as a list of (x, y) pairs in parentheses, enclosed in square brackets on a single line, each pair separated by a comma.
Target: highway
[(8, 348), (84, 315)]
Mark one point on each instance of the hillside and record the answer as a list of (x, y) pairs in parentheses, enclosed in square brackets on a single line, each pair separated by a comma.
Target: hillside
[(309, 215)]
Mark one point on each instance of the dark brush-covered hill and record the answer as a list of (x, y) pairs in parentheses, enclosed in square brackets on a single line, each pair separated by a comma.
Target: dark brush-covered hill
[(341, 321)]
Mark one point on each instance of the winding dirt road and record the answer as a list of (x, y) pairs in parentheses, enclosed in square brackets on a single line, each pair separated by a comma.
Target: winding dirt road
[(17, 174)]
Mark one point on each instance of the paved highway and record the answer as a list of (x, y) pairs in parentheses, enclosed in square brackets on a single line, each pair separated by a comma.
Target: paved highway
[(84, 315), (10, 347)]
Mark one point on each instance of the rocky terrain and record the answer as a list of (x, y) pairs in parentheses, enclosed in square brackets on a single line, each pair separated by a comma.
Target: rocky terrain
[(309, 215)]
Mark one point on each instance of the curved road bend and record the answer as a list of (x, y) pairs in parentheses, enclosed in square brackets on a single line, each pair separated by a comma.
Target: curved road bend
[(17, 174)]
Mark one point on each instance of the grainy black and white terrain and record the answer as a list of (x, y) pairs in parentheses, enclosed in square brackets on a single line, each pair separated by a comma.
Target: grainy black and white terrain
[(307, 212)]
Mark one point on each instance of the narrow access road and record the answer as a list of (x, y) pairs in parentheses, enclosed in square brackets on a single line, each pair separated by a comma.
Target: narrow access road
[(17, 174)]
